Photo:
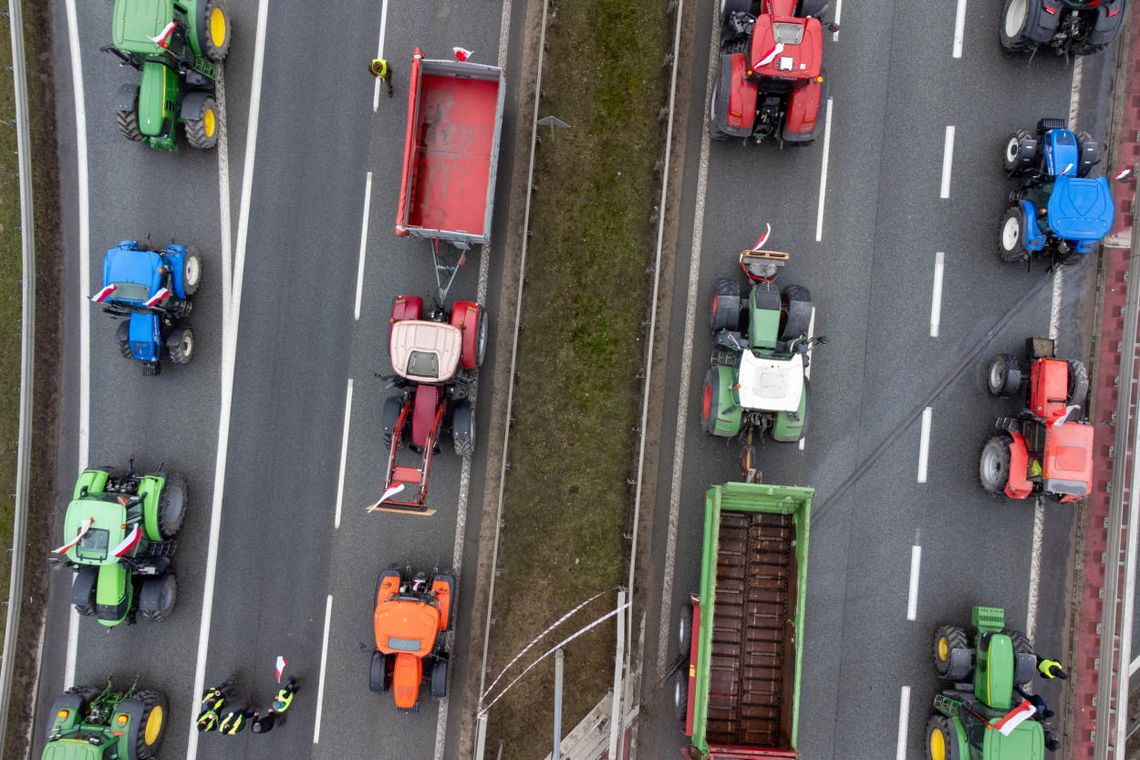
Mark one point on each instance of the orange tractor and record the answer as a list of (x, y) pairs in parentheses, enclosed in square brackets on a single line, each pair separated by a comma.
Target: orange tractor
[(413, 612)]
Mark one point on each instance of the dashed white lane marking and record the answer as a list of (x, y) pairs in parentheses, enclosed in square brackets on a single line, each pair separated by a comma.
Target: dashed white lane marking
[(343, 454), (924, 444), (363, 245), (380, 52), (904, 721), (1075, 92), (838, 14), (823, 173), (912, 594), (947, 161), (1134, 667), (1035, 567), (936, 294), (324, 665), (959, 28), (84, 253)]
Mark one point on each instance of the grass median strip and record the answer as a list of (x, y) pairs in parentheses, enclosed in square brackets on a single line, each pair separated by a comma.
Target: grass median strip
[(577, 393)]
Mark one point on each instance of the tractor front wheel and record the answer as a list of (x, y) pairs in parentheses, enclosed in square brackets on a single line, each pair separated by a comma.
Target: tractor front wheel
[(681, 695), (214, 30), (128, 123), (149, 728), (191, 272), (439, 679), (941, 739), (1011, 238), (202, 127), (947, 638), (157, 598), (393, 405), (1003, 377), (1015, 27), (180, 344), (123, 337), (993, 467), (1020, 152), (172, 506), (685, 630), (463, 429)]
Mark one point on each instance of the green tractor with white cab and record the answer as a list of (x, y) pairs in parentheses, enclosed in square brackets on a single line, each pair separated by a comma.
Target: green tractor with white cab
[(758, 381), (89, 723), (177, 47), (984, 664), (119, 531)]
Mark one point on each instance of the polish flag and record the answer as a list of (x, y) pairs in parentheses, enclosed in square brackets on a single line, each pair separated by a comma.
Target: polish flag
[(103, 294), (163, 37), (84, 527), (157, 297), (130, 542), (1064, 417), (763, 238), (1122, 173), (462, 54), (281, 663), (771, 56), (1014, 718)]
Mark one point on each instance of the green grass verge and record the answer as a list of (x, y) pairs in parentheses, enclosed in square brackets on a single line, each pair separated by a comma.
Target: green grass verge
[(577, 397)]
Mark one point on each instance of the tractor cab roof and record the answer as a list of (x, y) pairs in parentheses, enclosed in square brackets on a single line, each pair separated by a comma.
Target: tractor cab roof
[(1080, 208), (136, 275), (106, 533), (1067, 462), (136, 22), (425, 352), (407, 623), (786, 47)]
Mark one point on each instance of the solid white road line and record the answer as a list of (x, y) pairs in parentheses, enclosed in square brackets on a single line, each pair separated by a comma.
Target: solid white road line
[(84, 438), (363, 244), (343, 454), (924, 444), (936, 294), (823, 172), (223, 149), (324, 664), (838, 14), (1035, 567), (229, 352), (947, 161), (904, 721), (912, 594), (380, 52), (959, 28)]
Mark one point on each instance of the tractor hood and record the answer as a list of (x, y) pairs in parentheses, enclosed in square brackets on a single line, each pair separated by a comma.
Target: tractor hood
[(770, 384), (107, 532), (406, 626), (1027, 742), (135, 22), (1081, 208), (787, 47), (126, 267), (72, 749)]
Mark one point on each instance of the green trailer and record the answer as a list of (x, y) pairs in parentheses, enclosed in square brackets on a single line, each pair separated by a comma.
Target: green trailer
[(738, 696), (91, 723)]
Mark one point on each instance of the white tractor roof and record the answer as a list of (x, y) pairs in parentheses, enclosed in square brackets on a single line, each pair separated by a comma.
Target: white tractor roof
[(771, 385), (425, 352)]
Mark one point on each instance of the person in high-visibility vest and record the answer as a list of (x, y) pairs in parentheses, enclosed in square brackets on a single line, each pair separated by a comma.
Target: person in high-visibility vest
[(1051, 668), (382, 71), (207, 720), (234, 722), (284, 697)]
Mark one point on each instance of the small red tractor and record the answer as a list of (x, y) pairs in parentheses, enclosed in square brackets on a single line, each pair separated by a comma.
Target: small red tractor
[(771, 80), (412, 614), (1048, 447), (436, 361)]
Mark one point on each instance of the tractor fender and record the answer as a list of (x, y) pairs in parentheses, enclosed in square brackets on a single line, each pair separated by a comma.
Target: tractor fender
[(192, 105), (150, 489), (734, 108), (724, 403), (94, 481), (465, 316), (127, 98), (66, 712), (175, 255), (83, 586), (1033, 235), (407, 307), (1025, 668), (1018, 486), (961, 665), (1109, 16), (1043, 17), (801, 124), (443, 586)]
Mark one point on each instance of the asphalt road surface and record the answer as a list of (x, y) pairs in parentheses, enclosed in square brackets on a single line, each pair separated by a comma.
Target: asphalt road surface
[(292, 576), (895, 88)]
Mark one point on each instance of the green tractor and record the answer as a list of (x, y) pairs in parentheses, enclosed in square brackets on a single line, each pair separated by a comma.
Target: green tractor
[(968, 717), (89, 723), (758, 380), (176, 45), (120, 529)]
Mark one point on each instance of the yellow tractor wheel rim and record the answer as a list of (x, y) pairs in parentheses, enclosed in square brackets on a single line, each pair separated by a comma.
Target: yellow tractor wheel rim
[(209, 122), (937, 745), (218, 27), (943, 649), (153, 725)]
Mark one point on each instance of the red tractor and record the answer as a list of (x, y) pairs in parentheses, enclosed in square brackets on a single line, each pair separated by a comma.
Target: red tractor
[(1048, 447), (436, 361), (412, 614), (771, 71)]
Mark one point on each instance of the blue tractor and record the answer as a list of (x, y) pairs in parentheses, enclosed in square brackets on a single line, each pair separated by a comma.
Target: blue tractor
[(1058, 210), (152, 289)]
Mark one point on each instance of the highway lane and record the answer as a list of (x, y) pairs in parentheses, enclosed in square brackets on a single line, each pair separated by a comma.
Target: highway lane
[(895, 87)]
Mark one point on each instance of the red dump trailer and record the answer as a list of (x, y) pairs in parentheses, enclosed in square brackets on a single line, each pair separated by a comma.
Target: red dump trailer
[(451, 151)]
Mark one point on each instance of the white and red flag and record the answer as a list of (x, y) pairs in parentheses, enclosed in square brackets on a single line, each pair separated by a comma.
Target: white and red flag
[(462, 53), (1014, 718), (763, 238), (83, 528), (104, 294), (130, 542), (156, 299), (281, 663), (162, 39)]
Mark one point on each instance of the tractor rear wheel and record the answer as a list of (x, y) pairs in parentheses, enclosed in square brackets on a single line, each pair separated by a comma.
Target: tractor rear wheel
[(214, 30), (1014, 27), (1078, 384), (463, 429), (157, 598), (1011, 237), (685, 630), (128, 122), (191, 271), (123, 337), (172, 506), (681, 694), (439, 679), (1089, 152), (393, 405), (993, 466), (724, 312), (947, 638), (180, 344), (1020, 152), (1003, 376), (147, 731), (941, 739), (202, 128)]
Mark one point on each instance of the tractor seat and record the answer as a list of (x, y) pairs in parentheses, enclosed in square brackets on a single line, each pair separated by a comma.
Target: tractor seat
[(1081, 208)]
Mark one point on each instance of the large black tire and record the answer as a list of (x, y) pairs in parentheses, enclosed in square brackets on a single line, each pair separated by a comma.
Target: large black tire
[(1078, 384), (149, 728), (685, 630), (947, 638), (172, 506), (1003, 376), (1014, 27), (732, 6), (180, 344), (481, 341), (811, 8), (993, 465), (715, 132), (128, 123), (202, 128), (379, 675), (1011, 236), (1089, 152), (191, 271), (393, 405), (214, 45), (83, 589), (439, 679), (463, 429), (123, 338), (1020, 152), (796, 316), (724, 310), (941, 740), (158, 597), (681, 695)]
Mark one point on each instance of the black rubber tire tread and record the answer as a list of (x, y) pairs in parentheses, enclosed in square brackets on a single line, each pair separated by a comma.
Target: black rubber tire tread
[(481, 340), (151, 699), (170, 521), (123, 338), (1004, 441), (438, 688), (1022, 42), (1044, 124), (391, 412), (1019, 253), (128, 123), (463, 429), (196, 128), (1078, 383), (158, 597), (955, 639), (174, 347), (939, 722), (205, 42), (681, 695)]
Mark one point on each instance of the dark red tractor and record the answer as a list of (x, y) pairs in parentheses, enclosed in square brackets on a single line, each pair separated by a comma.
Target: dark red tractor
[(771, 80), (436, 361), (1048, 447)]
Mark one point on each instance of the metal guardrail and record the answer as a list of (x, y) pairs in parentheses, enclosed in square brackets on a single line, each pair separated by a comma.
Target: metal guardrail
[(27, 340)]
